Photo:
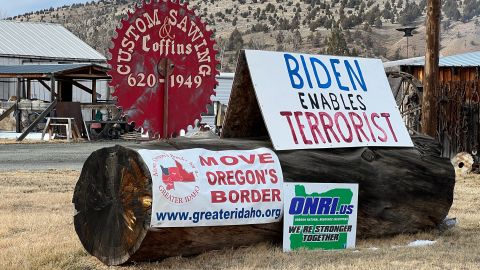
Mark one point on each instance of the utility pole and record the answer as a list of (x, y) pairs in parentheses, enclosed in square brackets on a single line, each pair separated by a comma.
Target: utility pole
[(430, 81)]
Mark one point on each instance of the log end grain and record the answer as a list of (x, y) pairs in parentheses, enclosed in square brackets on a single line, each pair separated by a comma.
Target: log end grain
[(112, 200)]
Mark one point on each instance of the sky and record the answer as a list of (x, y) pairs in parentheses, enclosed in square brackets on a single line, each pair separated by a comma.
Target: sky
[(10, 8)]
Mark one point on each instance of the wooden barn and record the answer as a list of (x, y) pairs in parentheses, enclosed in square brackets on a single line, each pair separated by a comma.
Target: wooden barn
[(458, 99)]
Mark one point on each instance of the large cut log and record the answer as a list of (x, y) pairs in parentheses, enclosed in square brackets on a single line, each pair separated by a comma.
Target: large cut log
[(401, 190)]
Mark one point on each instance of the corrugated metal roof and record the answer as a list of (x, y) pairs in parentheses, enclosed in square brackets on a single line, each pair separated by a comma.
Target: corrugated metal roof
[(40, 69), (471, 59), (44, 40), (224, 88), (404, 62)]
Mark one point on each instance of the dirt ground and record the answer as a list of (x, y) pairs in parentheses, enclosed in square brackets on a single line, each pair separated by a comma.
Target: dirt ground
[(36, 232)]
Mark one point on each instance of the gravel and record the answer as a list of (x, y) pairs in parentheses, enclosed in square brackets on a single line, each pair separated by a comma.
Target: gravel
[(57, 156)]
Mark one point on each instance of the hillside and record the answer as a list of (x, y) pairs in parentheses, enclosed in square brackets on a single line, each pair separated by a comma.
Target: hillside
[(342, 27)]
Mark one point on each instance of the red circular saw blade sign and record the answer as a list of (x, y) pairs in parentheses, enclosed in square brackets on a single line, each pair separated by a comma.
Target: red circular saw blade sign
[(163, 50)]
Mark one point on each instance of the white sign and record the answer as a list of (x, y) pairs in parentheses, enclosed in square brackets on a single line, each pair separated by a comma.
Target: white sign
[(197, 187), (313, 101), (320, 216)]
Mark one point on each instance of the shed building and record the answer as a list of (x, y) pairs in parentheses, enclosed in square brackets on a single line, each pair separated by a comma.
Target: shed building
[(29, 43), (458, 100)]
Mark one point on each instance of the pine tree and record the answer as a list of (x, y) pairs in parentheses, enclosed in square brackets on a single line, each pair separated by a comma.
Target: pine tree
[(450, 8), (336, 44), (235, 41)]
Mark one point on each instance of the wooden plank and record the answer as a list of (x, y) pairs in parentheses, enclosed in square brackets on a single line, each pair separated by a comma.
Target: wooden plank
[(94, 96), (52, 88), (8, 112), (39, 118), (241, 122), (29, 88), (18, 113), (83, 87), (24, 76)]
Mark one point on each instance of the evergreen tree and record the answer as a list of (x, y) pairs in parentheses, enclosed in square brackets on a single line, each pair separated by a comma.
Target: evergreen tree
[(336, 44), (235, 41), (450, 8), (471, 9)]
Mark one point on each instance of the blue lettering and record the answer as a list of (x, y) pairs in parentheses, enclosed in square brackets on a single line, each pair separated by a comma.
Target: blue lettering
[(296, 206), (311, 205), (293, 72), (333, 62), (324, 206), (359, 78), (327, 84), (306, 71)]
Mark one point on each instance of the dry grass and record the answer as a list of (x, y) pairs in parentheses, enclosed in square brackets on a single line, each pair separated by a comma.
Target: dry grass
[(26, 141), (36, 232)]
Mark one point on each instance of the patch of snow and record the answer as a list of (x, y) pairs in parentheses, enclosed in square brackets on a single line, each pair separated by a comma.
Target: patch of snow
[(31, 136), (420, 243)]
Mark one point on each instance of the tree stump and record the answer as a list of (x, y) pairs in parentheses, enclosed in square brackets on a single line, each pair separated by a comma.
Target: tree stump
[(401, 190)]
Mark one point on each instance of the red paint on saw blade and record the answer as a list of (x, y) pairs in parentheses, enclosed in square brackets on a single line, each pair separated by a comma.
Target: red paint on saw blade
[(155, 34)]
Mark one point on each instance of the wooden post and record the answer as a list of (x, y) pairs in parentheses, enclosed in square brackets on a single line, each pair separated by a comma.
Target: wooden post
[(29, 88), (94, 96), (18, 113), (52, 88), (429, 105)]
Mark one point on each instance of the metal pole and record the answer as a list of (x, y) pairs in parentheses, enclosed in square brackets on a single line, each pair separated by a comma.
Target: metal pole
[(407, 47)]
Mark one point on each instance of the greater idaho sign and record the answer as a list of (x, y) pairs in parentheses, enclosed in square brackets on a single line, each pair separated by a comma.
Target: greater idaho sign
[(315, 101), (320, 216), (198, 187)]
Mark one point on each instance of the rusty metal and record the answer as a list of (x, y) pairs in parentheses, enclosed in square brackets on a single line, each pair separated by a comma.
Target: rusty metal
[(163, 67)]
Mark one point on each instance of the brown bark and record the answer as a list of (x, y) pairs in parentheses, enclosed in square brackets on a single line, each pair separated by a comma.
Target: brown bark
[(429, 105), (401, 190)]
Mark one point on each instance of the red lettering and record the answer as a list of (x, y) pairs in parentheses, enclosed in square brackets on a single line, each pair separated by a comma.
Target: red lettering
[(301, 127), (386, 116), (368, 125), (240, 177), (218, 196), (384, 138), (221, 178), (233, 160), (256, 196), (273, 176), (211, 178), (233, 196), (276, 195), (328, 127), (266, 195), (260, 175), (350, 134), (230, 180), (245, 196), (358, 126), (249, 160), (266, 158), (208, 162), (250, 177), (314, 127), (288, 114)]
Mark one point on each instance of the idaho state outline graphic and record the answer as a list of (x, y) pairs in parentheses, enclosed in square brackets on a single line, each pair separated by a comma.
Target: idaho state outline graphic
[(176, 174)]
